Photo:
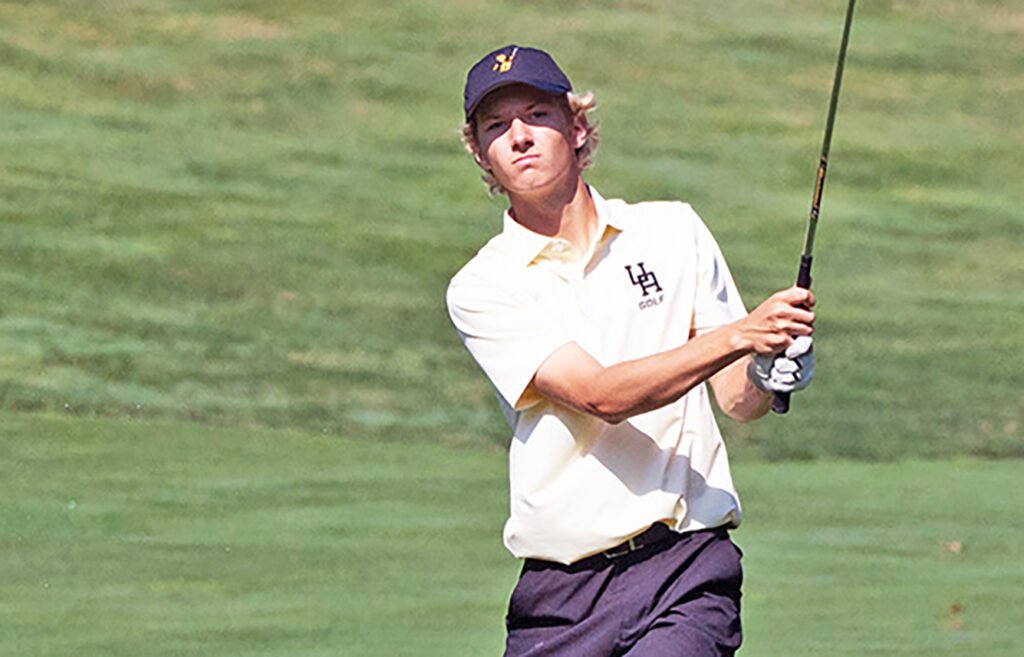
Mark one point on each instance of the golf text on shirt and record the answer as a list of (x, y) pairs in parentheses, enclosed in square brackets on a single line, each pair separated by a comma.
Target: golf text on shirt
[(578, 484)]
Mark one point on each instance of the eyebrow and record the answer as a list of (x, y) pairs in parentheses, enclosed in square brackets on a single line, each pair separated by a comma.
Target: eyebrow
[(493, 115)]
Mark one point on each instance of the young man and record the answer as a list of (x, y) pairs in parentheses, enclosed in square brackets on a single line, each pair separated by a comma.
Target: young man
[(598, 323)]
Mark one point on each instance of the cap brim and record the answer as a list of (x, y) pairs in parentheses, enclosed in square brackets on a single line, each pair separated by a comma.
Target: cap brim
[(549, 88)]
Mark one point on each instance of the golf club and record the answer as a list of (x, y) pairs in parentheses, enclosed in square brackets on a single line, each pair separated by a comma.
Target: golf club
[(803, 279)]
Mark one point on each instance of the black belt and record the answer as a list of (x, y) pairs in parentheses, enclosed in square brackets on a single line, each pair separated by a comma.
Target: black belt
[(657, 533)]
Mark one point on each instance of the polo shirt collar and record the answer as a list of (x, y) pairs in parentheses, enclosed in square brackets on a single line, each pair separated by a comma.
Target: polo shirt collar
[(526, 245)]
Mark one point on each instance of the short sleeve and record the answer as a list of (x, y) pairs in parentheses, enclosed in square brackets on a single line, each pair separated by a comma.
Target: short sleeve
[(717, 301), (508, 334)]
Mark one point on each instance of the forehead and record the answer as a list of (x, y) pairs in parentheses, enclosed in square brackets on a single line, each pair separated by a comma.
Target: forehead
[(511, 98)]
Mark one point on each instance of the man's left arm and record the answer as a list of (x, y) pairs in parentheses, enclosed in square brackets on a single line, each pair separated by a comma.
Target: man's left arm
[(745, 388), (737, 395)]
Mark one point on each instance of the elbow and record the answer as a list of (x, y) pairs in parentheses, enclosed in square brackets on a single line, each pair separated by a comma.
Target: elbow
[(607, 412), (598, 394), (615, 405), (743, 411), (732, 412), (615, 418), (750, 417)]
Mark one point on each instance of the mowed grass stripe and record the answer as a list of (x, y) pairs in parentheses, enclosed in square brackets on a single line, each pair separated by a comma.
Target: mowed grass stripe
[(147, 538), (225, 247), (156, 538), (248, 214)]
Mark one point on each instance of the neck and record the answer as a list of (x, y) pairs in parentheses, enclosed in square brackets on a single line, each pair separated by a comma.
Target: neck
[(568, 214)]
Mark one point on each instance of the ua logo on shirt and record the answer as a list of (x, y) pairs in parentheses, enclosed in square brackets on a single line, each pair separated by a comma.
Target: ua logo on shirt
[(647, 282), (645, 279)]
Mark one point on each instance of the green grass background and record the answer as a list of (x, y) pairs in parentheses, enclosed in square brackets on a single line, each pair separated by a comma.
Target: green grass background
[(225, 233), (141, 537)]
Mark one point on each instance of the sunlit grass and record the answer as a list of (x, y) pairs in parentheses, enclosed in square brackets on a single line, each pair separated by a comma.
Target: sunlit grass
[(135, 537), (248, 213)]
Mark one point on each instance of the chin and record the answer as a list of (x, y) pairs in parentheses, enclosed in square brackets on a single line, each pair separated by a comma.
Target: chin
[(526, 184), (534, 182)]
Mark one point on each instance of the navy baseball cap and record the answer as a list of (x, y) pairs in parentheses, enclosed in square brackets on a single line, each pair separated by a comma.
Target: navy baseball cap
[(510, 65)]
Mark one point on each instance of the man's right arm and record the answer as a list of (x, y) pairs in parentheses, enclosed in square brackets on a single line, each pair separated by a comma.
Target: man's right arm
[(572, 377)]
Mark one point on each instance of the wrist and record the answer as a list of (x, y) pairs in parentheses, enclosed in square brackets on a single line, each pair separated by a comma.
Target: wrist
[(756, 375)]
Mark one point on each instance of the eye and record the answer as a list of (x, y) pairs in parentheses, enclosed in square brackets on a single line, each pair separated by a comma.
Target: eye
[(539, 114), (493, 125)]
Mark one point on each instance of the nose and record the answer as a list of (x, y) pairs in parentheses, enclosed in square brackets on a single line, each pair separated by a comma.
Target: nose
[(520, 135)]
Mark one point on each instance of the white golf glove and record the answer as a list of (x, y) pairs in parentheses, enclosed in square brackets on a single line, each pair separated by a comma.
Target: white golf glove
[(786, 372)]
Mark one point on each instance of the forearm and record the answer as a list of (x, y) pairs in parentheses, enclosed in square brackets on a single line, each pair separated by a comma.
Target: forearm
[(572, 377), (737, 395), (632, 387)]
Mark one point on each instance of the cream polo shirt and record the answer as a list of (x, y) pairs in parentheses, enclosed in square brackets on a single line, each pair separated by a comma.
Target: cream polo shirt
[(578, 484)]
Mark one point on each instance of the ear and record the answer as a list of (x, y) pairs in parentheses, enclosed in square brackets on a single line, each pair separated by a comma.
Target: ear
[(481, 160), (580, 126), (473, 146)]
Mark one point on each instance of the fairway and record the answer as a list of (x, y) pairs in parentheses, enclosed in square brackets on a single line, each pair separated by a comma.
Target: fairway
[(248, 214), (158, 539), (235, 418)]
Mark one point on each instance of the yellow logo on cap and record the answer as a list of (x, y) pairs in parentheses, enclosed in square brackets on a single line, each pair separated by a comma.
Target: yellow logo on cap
[(504, 62)]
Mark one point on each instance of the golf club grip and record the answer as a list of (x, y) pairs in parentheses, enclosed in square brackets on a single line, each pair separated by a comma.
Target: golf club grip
[(780, 404)]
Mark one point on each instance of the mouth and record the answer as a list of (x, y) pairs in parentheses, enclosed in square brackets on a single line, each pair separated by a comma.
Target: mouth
[(525, 158)]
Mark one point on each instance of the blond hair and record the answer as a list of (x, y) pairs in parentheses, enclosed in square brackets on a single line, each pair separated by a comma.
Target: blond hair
[(578, 107)]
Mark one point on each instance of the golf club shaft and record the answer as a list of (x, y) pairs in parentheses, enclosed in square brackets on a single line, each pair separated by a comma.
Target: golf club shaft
[(780, 404)]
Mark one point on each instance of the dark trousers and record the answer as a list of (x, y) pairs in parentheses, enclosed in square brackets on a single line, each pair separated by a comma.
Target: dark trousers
[(677, 596)]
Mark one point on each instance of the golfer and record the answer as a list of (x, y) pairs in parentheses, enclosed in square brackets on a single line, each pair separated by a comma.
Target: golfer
[(598, 322)]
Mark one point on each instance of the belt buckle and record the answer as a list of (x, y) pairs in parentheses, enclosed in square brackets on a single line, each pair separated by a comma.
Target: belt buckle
[(629, 546)]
